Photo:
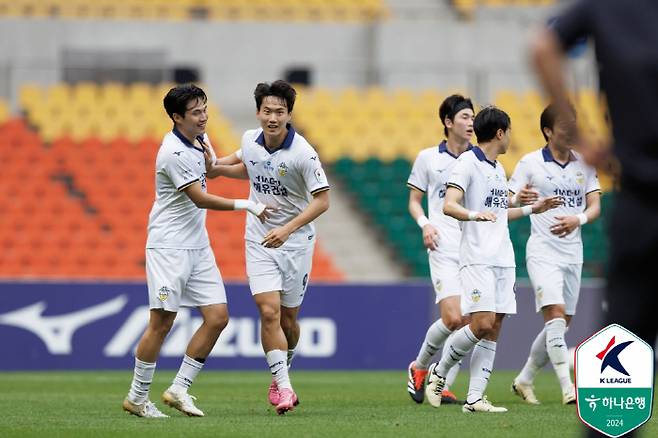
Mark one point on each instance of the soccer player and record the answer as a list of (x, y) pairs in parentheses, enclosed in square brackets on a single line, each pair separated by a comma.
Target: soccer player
[(180, 265), (441, 235), (554, 253), (486, 256), (284, 172)]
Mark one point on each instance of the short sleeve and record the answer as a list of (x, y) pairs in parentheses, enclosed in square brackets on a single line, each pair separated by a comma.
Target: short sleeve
[(460, 177), (574, 23), (182, 169), (313, 173), (592, 181), (520, 177), (418, 177)]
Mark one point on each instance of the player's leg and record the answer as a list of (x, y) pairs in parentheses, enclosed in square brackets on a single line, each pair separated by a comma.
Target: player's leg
[(488, 328), (478, 299), (295, 267), (445, 278), (547, 283), (205, 290), (167, 271)]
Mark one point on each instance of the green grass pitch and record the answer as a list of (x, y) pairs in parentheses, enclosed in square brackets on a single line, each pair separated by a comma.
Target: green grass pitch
[(333, 404)]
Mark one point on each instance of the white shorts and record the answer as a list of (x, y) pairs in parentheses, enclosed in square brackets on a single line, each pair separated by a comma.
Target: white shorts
[(444, 271), (488, 289), (183, 278), (284, 270), (555, 283)]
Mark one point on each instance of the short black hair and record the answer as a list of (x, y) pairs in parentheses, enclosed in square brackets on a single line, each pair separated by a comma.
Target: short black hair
[(176, 100), (280, 89), (548, 117), (488, 121), (451, 106)]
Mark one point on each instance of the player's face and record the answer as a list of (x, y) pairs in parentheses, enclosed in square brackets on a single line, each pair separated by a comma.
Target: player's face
[(563, 133), (273, 115), (462, 125), (196, 117), (505, 139)]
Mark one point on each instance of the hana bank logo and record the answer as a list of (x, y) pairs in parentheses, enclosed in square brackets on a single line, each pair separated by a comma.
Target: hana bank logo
[(610, 358)]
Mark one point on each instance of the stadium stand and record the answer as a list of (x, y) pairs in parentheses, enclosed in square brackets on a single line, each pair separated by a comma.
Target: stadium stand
[(466, 8), (75, 205), (392, 127), (220, 10)]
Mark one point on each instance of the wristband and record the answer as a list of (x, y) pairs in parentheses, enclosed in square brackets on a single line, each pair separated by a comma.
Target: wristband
[(238, 154), (514, 200), (246, 204), (582, 217), (526, 210), (422, 221), (472, 215)]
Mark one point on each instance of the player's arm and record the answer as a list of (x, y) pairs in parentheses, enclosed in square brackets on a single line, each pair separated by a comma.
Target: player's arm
[(230, 166), (430, 234), (564, 225), (318, 205), (539, 206), (213, 202), (452, 206)]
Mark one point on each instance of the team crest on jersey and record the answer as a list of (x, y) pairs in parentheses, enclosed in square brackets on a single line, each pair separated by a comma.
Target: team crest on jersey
[(163, 293), (476, 295), (580, 178), (283, 169)]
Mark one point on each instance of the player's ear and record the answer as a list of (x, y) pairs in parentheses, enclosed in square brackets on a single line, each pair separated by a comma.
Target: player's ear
[(547, 131), (177, 117), (447, 122)]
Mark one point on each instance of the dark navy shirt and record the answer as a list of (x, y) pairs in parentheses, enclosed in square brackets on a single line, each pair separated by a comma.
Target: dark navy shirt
[(625, 34)]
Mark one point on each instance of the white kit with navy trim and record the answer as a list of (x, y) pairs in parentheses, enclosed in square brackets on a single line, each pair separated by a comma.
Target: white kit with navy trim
[(285, 179), (572, 181), (485, 190), (175, 221)]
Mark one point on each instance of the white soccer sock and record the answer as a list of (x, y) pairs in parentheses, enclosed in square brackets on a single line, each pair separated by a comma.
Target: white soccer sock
[(188, 371), (557, 351), (462, 343), (452, 373), (537, 358), (276, 359), (434, 338), (291, 354), (482, 361), (142, 378)]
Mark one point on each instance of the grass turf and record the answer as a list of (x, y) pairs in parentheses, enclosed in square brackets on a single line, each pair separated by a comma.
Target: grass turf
[(333, 404)]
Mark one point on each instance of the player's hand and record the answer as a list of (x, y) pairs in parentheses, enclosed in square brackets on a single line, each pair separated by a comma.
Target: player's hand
[(430, 237), (266, 214), (545, 204), (527, 195), (208, 155), (276, 237), (564, 225), (485, 216)]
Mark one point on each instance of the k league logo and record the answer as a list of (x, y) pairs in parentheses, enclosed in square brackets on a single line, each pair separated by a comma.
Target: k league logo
[(614, 381)]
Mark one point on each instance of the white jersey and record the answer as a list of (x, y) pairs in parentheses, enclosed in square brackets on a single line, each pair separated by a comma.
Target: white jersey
[(429, 174), (485, 190), (175, 222), (572, 182), (284, 179)]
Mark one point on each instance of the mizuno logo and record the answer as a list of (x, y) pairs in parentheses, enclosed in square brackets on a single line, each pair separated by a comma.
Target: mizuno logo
[(57, 331), (315, 157), (177, 153), (611, 358), (253, 163)]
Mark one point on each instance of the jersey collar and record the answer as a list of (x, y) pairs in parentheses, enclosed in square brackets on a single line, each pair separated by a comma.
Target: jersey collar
[(185, 141), (548, 157), (443, 148), (480, 155), (286, 141)]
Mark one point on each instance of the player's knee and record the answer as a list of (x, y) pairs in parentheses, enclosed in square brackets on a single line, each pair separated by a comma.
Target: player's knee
[(484, 329), (270, 315), (161, 328), (452, 322), (217, 321)]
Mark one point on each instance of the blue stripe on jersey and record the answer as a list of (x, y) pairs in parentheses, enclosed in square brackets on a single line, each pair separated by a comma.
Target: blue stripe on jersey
[(184, 139), (286, 141)]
